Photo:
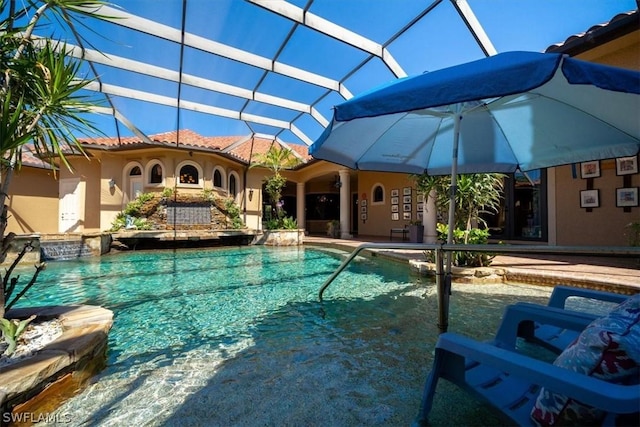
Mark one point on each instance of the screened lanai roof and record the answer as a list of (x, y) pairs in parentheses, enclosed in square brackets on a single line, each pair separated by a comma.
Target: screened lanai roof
[(275, 69)]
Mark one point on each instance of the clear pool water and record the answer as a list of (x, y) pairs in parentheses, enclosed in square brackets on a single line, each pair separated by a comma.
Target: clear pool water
[(236, 336)]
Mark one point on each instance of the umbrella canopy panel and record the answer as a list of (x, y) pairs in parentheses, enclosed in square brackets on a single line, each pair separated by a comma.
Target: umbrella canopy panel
[(566, 111)]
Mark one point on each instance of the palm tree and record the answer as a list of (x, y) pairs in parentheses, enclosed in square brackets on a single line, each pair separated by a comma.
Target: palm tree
[(40, 106), (276, 159)]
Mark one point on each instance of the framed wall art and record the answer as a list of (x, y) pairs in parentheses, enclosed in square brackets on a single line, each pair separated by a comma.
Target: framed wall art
[(406, 191), (626, 197), (589, 199), (395, 192), (590, 169), (627, 165), (406, 199)]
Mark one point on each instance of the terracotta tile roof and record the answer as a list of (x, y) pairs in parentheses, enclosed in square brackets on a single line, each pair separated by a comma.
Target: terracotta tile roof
[(237, 147), (30, 158), (618, 26), (253, 146)]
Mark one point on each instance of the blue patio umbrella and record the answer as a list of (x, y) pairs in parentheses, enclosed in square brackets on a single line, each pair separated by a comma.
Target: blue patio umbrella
[(515, 110)]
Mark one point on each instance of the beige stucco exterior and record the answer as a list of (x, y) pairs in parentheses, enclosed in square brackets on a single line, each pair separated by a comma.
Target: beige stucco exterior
[(33, 201), (604, 225)]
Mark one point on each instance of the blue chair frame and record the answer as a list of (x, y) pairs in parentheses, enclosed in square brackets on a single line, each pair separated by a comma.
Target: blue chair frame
[(510, 381)]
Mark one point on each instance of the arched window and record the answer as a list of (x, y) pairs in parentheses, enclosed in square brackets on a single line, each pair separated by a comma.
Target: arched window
[(189, 175), (233, 186), (155, 175), (378, 194), (217, 179), (135, 171)]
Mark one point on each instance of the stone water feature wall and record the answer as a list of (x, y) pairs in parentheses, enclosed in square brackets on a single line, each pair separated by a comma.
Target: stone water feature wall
[(58, 247), (185, 212), (71, 246)]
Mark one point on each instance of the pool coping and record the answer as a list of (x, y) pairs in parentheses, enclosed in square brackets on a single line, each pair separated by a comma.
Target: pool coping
[(537, 274), (31, 385)]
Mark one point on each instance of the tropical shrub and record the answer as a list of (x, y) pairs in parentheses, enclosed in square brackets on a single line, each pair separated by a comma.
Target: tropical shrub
[(11, 331), (167, 192), (233, 213), (475, 236), (134, 207)]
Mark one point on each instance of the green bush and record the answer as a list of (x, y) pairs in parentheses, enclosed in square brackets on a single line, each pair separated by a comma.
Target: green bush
[(208, 195), (11, 331), (233, 213), (133, 210), (475, 236), (119, 223), (285, 223), (167, 192), (133, 207)]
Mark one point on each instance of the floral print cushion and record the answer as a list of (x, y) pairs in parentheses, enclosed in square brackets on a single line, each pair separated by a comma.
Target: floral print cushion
[(609, 348)]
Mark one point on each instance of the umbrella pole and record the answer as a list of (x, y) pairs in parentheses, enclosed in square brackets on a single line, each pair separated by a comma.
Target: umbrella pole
[(454, 185), (445, 289)]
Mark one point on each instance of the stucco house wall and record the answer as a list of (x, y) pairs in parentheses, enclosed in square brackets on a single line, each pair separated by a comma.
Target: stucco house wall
[(33, 201), (601, 226), (379, 214)]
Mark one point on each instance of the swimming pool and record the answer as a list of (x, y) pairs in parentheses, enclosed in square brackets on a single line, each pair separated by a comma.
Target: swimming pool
[(236, 336)]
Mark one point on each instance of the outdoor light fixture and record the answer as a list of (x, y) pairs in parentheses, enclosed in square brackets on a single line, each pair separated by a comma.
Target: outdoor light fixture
[(250, 194), (112, 183), (337, 183)]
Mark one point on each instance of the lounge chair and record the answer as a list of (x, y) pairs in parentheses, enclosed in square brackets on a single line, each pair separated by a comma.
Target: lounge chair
[(512, 382), (556, 338)]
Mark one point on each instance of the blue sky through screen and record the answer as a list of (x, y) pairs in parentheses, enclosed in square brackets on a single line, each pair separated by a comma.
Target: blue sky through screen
[(437, 40)]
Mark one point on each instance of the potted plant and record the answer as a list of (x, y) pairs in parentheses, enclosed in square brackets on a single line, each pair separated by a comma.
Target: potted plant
[(333, 228), (416, 232)]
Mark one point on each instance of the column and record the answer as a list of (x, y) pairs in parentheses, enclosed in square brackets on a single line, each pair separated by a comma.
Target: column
[(300, 204), (430, 218), (345, 204)]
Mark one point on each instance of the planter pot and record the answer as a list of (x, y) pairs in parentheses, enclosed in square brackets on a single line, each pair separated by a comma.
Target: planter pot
[(416, 233), (281, 238)]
